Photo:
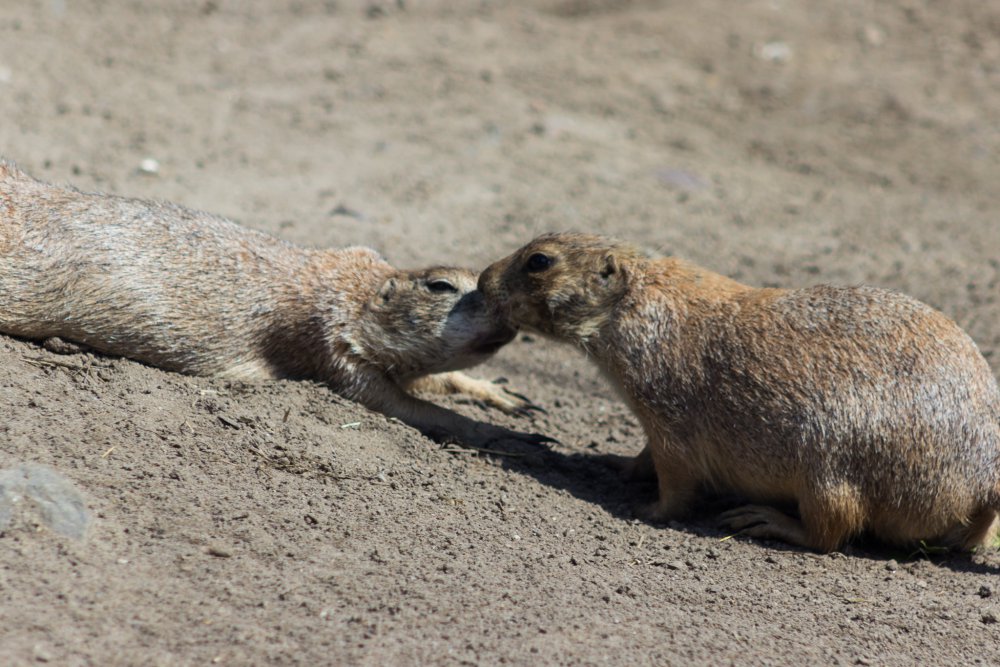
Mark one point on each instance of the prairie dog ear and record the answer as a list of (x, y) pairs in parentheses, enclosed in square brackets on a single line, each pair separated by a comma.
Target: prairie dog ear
[(386, 291), (611, 269)]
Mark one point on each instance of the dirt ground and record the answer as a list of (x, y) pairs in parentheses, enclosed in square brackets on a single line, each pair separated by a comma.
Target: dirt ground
[(780, 142)]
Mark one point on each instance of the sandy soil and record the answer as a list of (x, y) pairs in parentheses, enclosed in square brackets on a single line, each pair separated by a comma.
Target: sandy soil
[(782, 143)]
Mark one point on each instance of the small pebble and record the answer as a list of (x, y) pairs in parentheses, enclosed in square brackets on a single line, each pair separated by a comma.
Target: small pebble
[(892, 565), (676, 565), (990, 615), (774, 52), (42, 654), (149, 166), (873, 35)]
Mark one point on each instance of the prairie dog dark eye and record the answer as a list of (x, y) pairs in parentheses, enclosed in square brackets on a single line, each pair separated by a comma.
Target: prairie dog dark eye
[(538, 262), (441, 285)]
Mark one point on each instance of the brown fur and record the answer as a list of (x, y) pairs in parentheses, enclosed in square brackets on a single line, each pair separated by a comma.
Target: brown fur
[(195, 293), (870, 410)]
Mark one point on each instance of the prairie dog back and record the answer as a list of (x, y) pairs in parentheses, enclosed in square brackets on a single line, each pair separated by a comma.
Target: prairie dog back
[(156, 278)]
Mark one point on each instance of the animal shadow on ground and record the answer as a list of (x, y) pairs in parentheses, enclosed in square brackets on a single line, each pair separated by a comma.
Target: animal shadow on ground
[(596, 478)]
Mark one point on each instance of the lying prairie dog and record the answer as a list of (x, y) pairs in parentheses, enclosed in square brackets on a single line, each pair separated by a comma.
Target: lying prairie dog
[(870, 410), (195, 293)]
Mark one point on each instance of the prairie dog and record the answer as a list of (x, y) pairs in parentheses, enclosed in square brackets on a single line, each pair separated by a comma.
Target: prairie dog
[(871, 411), (195, 293)]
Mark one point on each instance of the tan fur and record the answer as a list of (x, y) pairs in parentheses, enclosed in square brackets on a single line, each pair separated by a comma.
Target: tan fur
[(195, 293), (870, 410)]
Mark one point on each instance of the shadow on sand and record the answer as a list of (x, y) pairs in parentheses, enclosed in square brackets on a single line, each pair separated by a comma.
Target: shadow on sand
[(596, 478)]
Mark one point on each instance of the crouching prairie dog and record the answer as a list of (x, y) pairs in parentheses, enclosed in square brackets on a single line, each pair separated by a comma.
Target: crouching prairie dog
[(869, 410), (195, 293)]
